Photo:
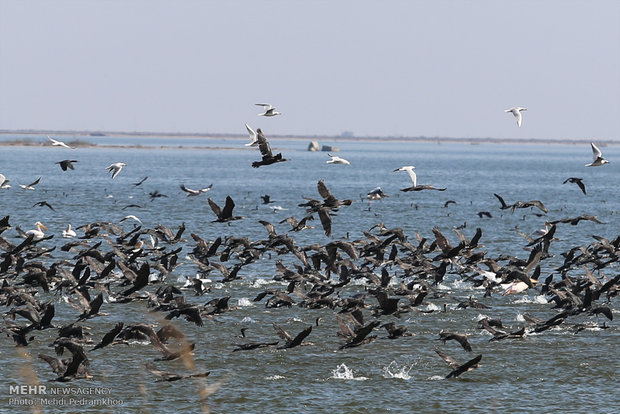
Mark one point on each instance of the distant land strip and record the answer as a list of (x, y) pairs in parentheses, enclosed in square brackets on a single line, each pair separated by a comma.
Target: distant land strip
[(488, 140)]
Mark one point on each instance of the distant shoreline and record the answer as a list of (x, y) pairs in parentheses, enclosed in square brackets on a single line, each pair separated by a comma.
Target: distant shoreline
[(21, 138)]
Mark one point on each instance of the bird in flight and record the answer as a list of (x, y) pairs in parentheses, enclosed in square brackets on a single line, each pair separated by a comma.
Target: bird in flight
[(190, 192), (516, 111), (597, 157), (337, 160), (56, 143), (115, 168), (268, 110)]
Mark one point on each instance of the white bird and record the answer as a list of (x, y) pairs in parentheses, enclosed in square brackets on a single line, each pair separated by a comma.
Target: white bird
[(68, 232), (516, 111), (31, 185), (337, 160), (269, 110), (37, 233), (376, 194), (409, 169), (597, 157), (131, 217), (116, 168), (253, 137), (4, 182), (191, 192), (275, 209), (56, 143)]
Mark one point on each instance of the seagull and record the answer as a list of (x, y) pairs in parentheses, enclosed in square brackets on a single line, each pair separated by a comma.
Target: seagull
[(37, 233), (130, 217), (4, 182), (376, 194), (69, 233), (191, 192), (64, 164), (337, 160), (269, 110), (31, 185), (115, 168), (56, 143), (253, 138), (414, 180), (597, 157), (516, 111)]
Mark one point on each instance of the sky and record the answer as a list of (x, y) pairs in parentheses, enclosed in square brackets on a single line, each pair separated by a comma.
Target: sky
[(371, 68)]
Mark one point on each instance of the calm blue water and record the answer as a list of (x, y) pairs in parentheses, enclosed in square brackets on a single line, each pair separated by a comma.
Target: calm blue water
[(547, 372)]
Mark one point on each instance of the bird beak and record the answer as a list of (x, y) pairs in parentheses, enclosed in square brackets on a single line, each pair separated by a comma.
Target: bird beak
[(43, 227)]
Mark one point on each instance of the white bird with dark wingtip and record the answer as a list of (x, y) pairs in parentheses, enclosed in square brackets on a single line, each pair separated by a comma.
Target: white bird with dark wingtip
[(516, 111), (376, 194), (115, 168), (409, 169), (597, 157), (56, 143), (4, 182), (337, 160), (31, 185), (253, 137), (269, 110), (190, 192)]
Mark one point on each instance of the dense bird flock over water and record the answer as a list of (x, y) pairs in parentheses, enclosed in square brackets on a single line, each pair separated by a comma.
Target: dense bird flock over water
[(366, 286)]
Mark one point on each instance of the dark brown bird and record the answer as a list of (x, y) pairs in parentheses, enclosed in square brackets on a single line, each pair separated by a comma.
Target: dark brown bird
[(169, 376), (460, 338), (291, 342), (224, 215), (64, 164), (578, 181), (458, 369), (265, 150)]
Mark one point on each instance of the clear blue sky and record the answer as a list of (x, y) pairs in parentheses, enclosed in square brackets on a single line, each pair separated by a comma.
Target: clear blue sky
[(376, 68)]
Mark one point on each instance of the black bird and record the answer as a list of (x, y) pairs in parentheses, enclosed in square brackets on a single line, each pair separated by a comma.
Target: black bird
[(156, 194), (578, 181), (169, 376), (265, 150), (447, 203), (291, 342), (460, 338), (266, 199), (43, 204), (225, 214), (140, 182), (484, 214), (458, 369), (64, 164), (108, 338)]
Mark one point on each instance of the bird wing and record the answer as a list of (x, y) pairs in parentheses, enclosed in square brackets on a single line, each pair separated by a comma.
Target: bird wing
[(216, 209), (447, 359), (282, 333), (228, 207), (300, 337), (324, 191), (35, 182), (263, 144), (471, 364), (326, 221), (595, 152), (188, 190)]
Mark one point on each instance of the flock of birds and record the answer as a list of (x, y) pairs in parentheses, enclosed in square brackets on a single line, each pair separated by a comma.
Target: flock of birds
[(362, 285)]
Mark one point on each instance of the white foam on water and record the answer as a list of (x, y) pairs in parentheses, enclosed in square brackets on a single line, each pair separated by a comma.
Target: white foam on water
[(481, 317), (393, 371), (519, 318), (432, 307), (247, 319), (435, 378), (245, 302), (343, 372), (274, 377)]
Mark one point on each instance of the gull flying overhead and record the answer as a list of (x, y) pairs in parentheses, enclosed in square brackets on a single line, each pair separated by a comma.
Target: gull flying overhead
[(31, 185), (597, 157), (337, 160), (115, 168), (190, 192), (56, 143), (516, 111), (414, 180), (269, 110), (4, 182), (253, 138)]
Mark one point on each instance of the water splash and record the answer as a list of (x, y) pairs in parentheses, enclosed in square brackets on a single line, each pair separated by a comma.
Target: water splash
[(247, 319), (520, 318), (393, 371), (245, 302), (343, 372)]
